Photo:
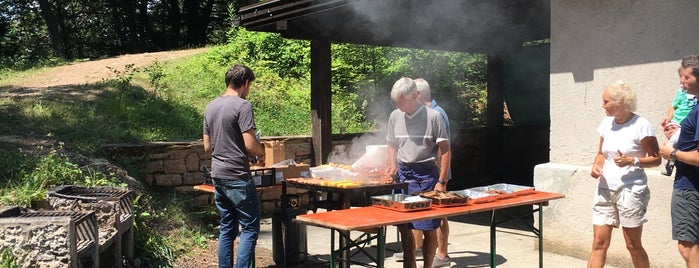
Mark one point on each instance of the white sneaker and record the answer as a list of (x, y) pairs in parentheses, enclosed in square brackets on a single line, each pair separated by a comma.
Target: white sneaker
[(441, 262)]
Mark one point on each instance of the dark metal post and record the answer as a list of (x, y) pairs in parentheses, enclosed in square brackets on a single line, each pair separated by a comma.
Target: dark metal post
[(495, 115), (321, 113)]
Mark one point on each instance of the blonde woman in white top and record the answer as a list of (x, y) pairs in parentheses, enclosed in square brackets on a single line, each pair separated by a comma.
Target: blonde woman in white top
[(627, 145)]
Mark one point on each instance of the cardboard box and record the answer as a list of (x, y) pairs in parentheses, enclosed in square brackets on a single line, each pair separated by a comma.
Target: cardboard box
[(292, 171), (274, 152)]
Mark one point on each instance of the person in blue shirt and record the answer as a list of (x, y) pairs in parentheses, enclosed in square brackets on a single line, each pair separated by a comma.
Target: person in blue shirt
[(441, 258), (682, 104), (684, 206)]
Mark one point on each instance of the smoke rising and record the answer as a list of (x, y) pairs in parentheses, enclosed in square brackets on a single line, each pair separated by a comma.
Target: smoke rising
[(349, 153), (446, 24)]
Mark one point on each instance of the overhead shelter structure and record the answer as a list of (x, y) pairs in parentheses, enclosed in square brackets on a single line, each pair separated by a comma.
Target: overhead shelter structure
[(496, 28)]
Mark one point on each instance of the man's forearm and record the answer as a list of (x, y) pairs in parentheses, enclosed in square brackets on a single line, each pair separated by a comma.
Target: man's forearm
[(444, 164)]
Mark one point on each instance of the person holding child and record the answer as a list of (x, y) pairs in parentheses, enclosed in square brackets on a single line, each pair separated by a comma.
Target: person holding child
[(682, 104)]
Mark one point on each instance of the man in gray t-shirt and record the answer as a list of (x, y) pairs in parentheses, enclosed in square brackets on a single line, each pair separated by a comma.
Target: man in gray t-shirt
[(416, 137), (229, 136)]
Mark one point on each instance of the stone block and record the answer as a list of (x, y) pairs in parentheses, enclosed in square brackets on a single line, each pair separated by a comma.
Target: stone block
[(192, 162), (155, 166), (198, 149), (193, 178), (159, 156), (168, 179), (178, 154), (174, 166), (148, 179)]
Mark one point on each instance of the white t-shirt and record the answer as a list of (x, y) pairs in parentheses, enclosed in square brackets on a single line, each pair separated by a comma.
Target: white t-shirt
[(627, 139)]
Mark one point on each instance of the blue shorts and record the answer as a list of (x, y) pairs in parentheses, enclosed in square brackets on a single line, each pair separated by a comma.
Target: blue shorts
[(420, 177)]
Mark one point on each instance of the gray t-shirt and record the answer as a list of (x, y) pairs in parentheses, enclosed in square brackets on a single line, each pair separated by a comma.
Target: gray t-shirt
[(225, 120), (415, 137)]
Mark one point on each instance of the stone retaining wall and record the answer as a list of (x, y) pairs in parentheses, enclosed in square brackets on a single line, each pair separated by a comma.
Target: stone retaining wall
[(178, 164)]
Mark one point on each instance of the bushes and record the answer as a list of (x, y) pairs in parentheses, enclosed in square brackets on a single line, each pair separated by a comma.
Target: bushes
[(25, 179)]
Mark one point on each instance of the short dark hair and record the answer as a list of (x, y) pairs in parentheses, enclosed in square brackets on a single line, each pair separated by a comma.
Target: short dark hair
[(238, 74), (691, 61)]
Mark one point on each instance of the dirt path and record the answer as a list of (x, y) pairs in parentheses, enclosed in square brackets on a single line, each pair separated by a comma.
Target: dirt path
[(98, 70), (62, 80)]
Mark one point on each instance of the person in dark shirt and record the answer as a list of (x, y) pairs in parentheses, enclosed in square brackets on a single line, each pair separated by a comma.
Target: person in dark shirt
[(229, 136), (684, 208)]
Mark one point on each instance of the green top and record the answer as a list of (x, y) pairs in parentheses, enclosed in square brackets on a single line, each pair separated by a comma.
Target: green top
[(682, 103)]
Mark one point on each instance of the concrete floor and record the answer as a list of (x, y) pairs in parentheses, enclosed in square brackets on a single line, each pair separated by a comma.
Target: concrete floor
[(468, 245)]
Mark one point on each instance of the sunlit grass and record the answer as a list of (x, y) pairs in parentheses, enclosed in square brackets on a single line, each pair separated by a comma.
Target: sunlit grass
[(8, 77)]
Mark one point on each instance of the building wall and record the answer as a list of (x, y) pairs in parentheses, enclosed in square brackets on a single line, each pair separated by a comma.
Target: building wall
[(594, 43)]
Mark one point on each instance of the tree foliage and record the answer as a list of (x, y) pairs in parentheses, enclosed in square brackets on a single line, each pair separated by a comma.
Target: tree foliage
[(362, 77), (73, 29), (42, 32)]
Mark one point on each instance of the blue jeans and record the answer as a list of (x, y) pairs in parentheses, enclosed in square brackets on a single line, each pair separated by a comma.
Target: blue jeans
[(238, 203)]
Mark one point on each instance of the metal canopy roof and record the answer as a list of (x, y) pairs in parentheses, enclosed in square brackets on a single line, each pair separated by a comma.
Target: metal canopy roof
[(482, 26)]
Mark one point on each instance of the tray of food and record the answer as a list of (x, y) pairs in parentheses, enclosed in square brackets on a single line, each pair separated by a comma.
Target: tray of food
[(505, 190), (445, 199), (477, 197), (401, 202)]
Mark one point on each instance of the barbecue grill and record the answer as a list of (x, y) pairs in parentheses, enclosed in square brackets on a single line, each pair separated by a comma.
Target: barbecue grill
[(114, 210), (39, 233)]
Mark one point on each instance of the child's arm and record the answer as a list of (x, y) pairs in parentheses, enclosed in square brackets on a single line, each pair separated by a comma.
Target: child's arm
[(668, 117)]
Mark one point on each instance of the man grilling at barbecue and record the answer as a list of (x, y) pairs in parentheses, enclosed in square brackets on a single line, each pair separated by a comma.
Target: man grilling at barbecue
[(417, 136)]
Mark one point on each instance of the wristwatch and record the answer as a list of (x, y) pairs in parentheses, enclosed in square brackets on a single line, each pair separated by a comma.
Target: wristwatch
[(673, 155), (442, 182), (636, 162)]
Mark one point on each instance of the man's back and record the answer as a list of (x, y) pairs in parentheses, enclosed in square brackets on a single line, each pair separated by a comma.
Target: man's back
[(225, 119)]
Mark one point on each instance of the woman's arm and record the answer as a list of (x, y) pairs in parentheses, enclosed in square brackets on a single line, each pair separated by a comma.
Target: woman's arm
[(598, 162), (652, 158)]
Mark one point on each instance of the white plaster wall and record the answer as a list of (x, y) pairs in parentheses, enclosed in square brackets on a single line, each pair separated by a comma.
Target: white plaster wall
[(596, 42)]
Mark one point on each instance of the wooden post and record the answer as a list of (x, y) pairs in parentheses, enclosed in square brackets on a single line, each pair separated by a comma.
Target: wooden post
[(321, 112), (495, 116)]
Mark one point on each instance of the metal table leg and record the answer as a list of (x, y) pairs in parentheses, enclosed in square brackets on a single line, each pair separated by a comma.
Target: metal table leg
[(332, 247), (541, 236), (284, 200), (381, 247), (493, 240), (539, 232), (338, 257)]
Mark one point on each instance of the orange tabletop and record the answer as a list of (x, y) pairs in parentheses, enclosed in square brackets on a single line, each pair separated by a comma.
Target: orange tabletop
[(370, 217), (204, 188), (363, 218)]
